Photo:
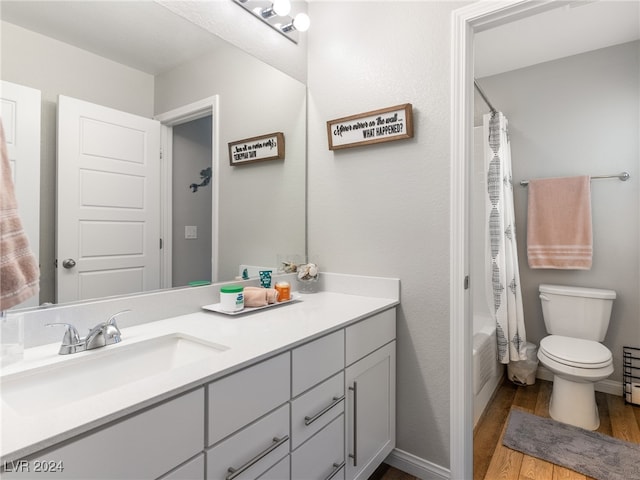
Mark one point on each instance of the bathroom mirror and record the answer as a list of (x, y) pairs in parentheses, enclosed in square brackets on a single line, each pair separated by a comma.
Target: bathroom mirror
[(138, 57)]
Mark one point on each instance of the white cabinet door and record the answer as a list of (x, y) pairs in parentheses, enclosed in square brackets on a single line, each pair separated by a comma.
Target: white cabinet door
[(371, 406), (144, 446)]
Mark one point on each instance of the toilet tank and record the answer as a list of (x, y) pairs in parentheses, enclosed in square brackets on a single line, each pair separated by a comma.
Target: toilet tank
[(576, 311)]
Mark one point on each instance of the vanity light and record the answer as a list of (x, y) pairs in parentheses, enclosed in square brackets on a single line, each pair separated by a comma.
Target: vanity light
[(278, 7), (301, 23), (275, 13)]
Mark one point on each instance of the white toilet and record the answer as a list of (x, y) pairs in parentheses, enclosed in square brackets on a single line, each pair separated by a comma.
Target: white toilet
[(576, 319)]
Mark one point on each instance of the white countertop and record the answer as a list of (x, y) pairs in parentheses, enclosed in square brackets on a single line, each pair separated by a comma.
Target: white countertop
[(249, 338)]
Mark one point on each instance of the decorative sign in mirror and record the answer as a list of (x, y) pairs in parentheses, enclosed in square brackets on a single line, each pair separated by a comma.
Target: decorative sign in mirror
[(257, 149), (384, 125)]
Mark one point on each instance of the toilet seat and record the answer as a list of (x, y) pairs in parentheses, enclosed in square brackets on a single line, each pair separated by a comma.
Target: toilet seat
[(576, 352)]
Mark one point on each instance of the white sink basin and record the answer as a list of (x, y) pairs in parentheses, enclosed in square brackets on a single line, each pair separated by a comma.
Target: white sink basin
[(96, 371)]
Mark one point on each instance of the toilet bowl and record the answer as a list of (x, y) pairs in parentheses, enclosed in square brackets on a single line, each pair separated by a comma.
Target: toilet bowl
[(577, 319), (576, 365)]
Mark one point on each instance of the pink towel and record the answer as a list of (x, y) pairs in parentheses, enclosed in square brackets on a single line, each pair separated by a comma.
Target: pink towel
[(259, 297), (559, 233), (19, 273)]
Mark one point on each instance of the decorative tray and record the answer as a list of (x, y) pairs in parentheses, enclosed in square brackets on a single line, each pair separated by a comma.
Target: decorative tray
[(216, 307)]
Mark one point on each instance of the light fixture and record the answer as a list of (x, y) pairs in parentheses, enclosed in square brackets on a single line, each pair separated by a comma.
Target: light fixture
[(300, 23), (275, 13)]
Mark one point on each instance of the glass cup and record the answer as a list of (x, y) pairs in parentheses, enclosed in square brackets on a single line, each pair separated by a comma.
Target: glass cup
[(11, 338)]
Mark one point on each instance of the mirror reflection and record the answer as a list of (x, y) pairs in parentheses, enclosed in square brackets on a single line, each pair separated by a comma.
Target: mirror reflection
[(125, 220)]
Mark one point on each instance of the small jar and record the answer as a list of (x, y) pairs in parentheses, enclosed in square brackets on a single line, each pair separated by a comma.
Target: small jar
[(284, 291), (232, 298)]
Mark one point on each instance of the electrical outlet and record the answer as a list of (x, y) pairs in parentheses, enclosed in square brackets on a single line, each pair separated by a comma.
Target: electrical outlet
[(190, 232)]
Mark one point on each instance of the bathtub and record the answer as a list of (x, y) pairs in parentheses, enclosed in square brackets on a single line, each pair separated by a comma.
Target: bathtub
[(487, 371)]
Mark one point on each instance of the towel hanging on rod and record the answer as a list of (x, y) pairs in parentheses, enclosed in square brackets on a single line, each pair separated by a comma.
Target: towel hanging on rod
[(623, 177)]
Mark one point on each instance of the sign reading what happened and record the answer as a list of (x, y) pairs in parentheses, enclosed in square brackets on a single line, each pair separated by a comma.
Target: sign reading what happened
[(257, 149), (384, 125)]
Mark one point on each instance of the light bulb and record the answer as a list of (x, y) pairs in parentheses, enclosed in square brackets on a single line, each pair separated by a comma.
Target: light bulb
[(281, 7), (302, 22)]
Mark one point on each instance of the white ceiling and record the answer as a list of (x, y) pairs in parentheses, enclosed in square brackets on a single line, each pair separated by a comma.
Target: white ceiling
[(579, 27), (139, 33), (147, 36)]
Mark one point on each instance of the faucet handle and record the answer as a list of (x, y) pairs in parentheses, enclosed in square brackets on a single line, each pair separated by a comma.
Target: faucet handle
[(71, 335), (112, 319), (71, 341), (111, 331)]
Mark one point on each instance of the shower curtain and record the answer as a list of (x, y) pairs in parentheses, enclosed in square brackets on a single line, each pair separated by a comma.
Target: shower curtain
[(503, 277)]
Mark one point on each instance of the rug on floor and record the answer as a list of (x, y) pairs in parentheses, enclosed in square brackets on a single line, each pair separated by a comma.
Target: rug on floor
[(590, 453)]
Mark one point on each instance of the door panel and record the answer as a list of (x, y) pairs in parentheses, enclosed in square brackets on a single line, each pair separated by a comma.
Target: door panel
[(108, 201)]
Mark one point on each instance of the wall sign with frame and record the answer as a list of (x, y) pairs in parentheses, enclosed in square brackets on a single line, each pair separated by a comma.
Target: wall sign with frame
[(257, 149), (384, 125)]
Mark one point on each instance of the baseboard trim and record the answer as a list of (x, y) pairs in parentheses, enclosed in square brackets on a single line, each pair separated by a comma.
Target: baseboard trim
[(416, 466), (606, 386)]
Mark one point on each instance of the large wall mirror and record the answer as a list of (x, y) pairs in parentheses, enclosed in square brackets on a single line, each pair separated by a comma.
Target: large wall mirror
[(140, 59)]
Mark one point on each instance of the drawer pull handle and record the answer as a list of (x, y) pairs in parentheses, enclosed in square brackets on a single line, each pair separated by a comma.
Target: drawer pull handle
[(233, 472), (336, 468), (309, 420), (354, 455)]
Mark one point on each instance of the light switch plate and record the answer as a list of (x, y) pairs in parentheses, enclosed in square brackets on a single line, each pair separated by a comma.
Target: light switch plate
[(190, 232)]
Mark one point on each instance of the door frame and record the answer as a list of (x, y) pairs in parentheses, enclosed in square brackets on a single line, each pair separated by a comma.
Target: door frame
[(465, 22), (186, 113)]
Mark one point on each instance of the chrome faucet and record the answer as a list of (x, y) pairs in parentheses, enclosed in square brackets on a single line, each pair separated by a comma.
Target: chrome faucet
[(103, 334)]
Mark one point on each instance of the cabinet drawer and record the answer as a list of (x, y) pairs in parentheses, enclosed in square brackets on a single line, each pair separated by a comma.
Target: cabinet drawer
[(366, 336), (253, 450), (314, 406), (242, 397), (322, 457), (192, 470), (144, 446), (313, 362), (280, 471)]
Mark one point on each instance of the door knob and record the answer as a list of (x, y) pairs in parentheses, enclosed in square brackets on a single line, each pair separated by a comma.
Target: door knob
[(69, 263)]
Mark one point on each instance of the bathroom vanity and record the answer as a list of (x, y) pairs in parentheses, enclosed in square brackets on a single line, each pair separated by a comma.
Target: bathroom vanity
[(302, 390)]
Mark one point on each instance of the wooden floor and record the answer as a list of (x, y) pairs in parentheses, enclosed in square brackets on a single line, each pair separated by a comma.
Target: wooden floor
[(493, 461)]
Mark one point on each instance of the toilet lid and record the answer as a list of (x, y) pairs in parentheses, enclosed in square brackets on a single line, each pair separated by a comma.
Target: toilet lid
[(576, 352)]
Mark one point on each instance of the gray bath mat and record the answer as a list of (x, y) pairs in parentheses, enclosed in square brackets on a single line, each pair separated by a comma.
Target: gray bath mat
[(590, 453)]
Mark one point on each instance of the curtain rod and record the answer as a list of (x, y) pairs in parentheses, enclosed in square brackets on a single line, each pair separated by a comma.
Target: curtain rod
[(484, 97), (623, 177)]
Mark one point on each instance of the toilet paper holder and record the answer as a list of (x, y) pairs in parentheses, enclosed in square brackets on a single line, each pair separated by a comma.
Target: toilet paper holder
[(631, 375)]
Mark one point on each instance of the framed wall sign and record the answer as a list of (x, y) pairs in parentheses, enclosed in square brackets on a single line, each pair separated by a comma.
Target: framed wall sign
[(257, 149), (384, 125)]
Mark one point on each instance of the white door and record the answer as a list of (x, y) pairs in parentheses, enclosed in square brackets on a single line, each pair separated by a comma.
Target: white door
[(21, 122), (108, 194), (370, 422)]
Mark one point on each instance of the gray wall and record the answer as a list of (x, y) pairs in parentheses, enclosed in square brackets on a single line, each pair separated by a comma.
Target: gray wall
[(580, 116), (262, 209), (384, 209), (191, 154)]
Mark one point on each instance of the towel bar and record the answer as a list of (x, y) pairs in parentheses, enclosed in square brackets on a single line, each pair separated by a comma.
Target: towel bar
[(624, 176)]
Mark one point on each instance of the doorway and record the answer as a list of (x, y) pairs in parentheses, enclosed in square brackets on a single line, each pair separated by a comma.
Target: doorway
[(466, 22), (191, 202), (192, 127)]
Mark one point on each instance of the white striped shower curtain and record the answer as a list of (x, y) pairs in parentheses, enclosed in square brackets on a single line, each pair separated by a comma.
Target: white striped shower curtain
[(503, 277)]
